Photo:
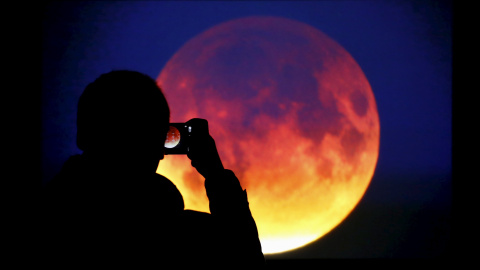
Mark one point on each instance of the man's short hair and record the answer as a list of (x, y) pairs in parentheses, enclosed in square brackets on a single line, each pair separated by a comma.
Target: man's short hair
[(120, 107)]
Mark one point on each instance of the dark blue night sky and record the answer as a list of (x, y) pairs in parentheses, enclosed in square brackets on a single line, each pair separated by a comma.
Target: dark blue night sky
[(403, 47)]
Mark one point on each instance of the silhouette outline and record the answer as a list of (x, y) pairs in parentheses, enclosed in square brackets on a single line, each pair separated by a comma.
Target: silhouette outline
[(107, 206)]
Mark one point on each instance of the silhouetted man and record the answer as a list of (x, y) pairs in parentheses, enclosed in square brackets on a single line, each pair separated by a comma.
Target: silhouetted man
[(108, 206)]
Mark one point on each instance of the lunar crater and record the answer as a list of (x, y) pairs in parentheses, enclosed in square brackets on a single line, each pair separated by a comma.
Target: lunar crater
[(359, 103)]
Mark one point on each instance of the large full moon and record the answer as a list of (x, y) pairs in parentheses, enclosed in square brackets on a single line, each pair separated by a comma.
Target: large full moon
[(293, 115)]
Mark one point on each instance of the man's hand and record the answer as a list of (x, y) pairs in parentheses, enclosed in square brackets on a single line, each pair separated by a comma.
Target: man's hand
[(202, 149)]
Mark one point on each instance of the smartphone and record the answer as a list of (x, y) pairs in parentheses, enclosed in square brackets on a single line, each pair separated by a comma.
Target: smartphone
[(177, 139)]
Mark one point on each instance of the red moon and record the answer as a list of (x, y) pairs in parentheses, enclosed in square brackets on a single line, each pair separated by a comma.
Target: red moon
[(292, 114), (173, 137)]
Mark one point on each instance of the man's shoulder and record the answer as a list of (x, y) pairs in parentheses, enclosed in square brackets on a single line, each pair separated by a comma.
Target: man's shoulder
[(163, 182), (165, 190)]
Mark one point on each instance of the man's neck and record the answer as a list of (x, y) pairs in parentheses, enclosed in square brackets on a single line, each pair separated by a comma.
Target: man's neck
[(118, 163)]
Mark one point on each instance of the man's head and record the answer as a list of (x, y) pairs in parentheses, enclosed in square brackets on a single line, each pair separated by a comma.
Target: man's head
[(123, 114)]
